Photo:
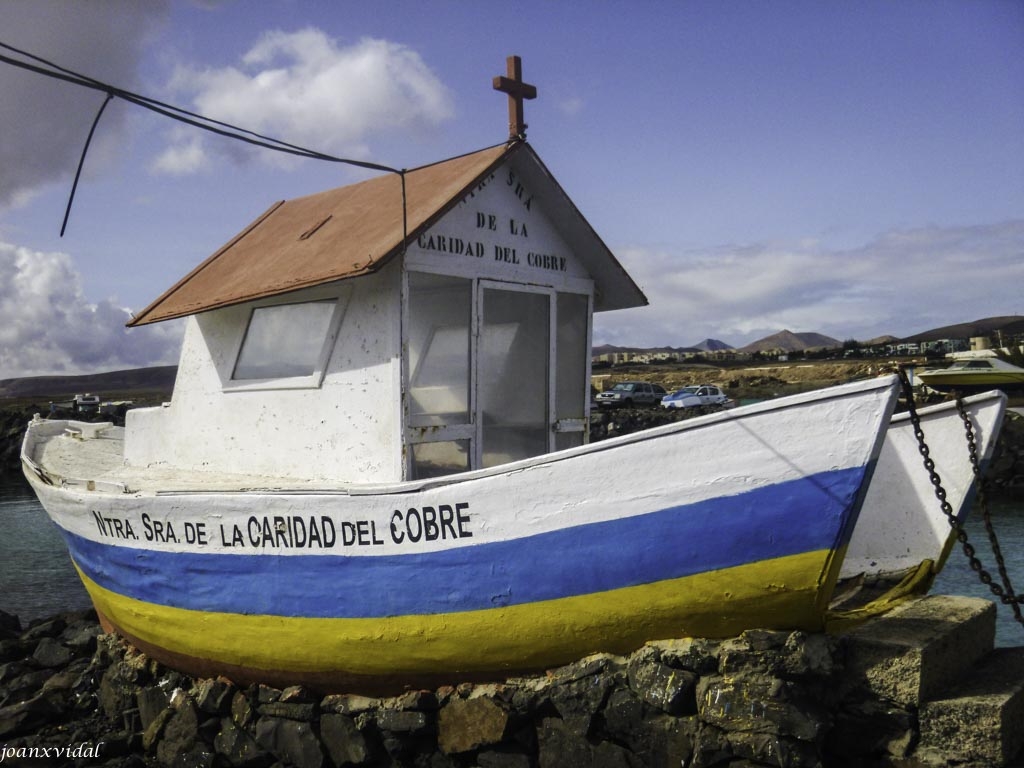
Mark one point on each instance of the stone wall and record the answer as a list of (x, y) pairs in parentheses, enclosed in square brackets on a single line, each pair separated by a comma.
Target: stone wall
[(1006, 473), (765, 698)]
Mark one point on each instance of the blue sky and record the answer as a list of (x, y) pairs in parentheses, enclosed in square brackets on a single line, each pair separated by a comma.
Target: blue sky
[(852, 169)]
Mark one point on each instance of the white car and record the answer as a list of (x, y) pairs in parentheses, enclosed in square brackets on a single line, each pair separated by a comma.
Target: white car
[(697, 396)]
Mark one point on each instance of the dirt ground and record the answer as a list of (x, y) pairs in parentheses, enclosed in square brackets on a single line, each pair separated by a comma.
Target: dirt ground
[(740, 382)]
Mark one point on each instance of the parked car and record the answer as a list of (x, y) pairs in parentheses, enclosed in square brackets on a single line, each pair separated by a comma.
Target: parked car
[(696, 397), (627, 394)]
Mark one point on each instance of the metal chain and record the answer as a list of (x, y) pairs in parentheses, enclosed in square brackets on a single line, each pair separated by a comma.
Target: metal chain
[(1008, 596), (1005, 591)]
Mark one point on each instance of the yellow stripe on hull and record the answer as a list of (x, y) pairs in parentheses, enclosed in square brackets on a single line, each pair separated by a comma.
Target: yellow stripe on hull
[(785, 593)]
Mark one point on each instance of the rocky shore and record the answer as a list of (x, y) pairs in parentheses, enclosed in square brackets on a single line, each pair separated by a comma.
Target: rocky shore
[(12, 429), (72, 696)]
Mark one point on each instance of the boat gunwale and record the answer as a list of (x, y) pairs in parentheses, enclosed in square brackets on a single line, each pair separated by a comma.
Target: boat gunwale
[(938, 408), (837, 392)]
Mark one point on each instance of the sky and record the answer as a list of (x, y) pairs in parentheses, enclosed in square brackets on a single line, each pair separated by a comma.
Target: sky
[(851, 169)]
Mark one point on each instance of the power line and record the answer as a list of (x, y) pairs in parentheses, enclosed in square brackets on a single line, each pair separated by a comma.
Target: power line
[(194, 119), (49, 69)]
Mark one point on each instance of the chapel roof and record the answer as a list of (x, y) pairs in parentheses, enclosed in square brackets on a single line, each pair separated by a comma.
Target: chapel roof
[(354, 230)]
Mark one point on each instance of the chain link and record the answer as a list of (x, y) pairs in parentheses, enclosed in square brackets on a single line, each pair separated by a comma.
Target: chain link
[(1003, 591)]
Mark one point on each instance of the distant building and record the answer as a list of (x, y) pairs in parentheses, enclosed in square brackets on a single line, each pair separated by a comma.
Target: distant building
[(640, 356), (724, 354), (979, 343), (905, 348), (945, 345)]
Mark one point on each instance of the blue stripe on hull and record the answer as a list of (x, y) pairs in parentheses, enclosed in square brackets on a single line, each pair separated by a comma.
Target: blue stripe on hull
[(785, 519)]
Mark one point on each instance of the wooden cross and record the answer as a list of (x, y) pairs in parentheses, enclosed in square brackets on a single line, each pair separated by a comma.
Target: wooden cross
[(517, 90)]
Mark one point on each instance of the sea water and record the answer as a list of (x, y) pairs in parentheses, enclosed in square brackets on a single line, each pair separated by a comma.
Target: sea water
[(957, 577), (38, 580)]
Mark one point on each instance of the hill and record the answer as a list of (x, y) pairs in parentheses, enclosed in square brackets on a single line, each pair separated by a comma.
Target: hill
[(787, 341), (712, 345), (880, 340), (1007, 324), (156, 379)]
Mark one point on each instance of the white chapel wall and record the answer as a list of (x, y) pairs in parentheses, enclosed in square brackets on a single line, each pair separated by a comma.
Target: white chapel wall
[(346, 430)]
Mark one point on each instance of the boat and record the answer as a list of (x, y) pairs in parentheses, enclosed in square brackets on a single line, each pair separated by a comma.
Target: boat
[(974, 374), (706, 527), (903, 536), (375, 469)]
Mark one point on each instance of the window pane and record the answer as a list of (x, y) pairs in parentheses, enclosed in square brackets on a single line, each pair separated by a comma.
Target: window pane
[(571, 386), (439, 315), (437, 459), (513, 375), (284, 341), (565, 440)]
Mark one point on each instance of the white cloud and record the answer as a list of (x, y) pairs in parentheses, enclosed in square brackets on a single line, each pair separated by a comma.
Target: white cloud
[(306, 89), (901, 283), (48, 327), (181, 159)]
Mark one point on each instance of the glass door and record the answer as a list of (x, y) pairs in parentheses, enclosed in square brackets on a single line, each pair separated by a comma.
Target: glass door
[(572, 369), (439, 384), (495, 372), (514, 374)]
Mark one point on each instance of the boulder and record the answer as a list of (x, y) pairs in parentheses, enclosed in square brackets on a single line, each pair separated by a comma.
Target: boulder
[(466, 725)]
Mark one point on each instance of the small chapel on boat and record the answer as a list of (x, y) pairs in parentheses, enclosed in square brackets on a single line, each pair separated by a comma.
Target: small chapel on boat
[(420, 323)]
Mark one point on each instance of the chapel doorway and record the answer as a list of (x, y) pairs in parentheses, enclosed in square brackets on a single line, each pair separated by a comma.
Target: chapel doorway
[(497, 372)]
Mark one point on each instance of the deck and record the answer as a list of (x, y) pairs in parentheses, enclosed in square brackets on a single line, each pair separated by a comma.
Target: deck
[(91, 456)]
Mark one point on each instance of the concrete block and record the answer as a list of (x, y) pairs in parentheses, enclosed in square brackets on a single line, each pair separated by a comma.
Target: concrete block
[(917, 650), (982, 718)]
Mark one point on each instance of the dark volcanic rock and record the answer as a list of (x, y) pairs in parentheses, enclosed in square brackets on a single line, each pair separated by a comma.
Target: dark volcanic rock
[(765, 698)]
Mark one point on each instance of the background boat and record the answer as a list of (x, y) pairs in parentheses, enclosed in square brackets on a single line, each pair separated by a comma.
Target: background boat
[(974, 374)]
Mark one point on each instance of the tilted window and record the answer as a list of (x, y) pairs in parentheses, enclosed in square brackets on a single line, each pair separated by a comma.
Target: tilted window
[(287, 344)]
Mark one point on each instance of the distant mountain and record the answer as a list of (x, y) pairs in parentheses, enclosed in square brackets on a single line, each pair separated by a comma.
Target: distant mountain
[(787, 341), (712, 345), (879, 340), (1008, 324), (607, 349), (157, 379)]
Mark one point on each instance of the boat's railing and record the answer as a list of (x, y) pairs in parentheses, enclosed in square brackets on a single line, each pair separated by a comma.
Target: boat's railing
[(40, 430), (524, 465), (850, 389), (48, 428)]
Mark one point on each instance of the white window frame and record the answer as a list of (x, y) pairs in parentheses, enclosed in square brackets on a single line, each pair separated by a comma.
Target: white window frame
[(315, 379)]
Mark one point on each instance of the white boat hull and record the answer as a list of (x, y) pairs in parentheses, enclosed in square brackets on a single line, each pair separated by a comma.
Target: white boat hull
[(705, 527), (902, 524)]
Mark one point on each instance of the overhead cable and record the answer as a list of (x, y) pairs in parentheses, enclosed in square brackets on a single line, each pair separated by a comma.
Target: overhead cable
[(177, 113), (57, 72)]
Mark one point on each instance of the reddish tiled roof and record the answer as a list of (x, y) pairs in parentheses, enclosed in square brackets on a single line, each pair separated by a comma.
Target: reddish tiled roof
[(332, 235)]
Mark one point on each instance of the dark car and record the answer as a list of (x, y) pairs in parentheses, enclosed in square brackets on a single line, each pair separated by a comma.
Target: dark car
[(626, 394)]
